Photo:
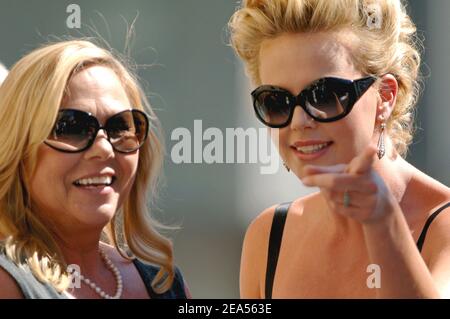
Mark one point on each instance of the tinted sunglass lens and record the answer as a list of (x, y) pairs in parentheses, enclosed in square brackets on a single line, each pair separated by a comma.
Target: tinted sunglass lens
[(326, 101), (73, 130), (273, 107), (127, 130)]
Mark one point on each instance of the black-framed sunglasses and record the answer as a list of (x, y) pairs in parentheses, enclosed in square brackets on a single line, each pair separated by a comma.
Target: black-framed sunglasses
[(76, 130), (325, 100)]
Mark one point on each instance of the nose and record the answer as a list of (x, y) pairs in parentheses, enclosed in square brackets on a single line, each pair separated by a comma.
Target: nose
[(301, 120), (101, 148)]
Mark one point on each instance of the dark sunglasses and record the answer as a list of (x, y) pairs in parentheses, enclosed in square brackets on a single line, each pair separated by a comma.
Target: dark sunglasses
[(75, 131), (325, 100)]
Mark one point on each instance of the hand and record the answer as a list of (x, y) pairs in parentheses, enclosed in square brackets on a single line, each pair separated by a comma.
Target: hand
[(369, 197)]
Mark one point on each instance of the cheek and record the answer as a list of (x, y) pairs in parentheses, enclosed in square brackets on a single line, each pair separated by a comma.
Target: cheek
[(47, 185), (279, 138), (354, 133), (128, 165), (283, 139), (365, 112)]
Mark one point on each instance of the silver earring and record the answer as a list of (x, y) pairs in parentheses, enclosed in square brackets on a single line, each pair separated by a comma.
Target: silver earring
[(381, 147), (286, 167)]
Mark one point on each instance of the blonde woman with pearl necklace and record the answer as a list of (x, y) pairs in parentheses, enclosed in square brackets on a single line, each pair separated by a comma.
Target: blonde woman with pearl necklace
[(79, 151)]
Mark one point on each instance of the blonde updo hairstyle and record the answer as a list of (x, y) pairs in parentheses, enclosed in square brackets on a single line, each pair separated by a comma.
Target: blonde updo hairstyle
[(30, 99), (386, 45)]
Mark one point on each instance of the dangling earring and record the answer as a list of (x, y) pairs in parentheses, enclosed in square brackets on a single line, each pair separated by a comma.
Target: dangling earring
[(381, 148), (286, 167)]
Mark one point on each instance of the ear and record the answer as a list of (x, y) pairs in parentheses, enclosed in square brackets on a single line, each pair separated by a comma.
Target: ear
[(388, 90)]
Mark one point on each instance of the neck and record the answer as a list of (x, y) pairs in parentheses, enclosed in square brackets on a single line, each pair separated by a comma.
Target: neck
[(87, 256), (396, 173), (82, 251), (96, 270)]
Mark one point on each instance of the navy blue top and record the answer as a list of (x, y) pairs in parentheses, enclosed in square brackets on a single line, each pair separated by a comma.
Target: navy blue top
[(147, 272)]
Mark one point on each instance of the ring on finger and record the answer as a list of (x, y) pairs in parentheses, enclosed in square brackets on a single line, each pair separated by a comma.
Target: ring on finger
[(346, 199)]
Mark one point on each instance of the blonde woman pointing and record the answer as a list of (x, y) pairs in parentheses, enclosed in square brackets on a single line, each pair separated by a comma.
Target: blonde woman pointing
[(337, 82)]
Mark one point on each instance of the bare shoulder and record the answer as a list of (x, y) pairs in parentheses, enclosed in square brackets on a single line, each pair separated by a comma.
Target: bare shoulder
[(432, 196), (254, 254), (261, 225), (264, 220), (436, 247), (255, 251), (435, 198), (438, 233), (10, 289), (430, 189)]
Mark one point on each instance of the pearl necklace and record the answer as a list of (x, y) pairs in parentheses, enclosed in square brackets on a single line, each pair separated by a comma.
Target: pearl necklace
[(116, 273)]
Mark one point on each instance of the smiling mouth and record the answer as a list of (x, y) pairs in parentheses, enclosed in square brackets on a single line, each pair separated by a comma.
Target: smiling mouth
[(311, 149), (100, 181)]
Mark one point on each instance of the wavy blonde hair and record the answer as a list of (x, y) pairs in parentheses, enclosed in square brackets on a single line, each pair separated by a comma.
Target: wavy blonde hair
[(390, 48), (29, 102)]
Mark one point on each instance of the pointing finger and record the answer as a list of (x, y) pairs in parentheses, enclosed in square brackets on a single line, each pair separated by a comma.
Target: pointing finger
[(341, 182)]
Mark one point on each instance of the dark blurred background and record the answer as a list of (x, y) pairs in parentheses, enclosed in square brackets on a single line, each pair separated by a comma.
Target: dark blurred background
[(195, 76)]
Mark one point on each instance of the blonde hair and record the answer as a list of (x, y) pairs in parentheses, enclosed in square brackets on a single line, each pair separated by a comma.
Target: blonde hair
[(389, 47), (29, 102)]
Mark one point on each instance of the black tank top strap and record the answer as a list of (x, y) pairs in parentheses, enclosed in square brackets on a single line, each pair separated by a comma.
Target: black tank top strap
[(421, 239), (276, 235)]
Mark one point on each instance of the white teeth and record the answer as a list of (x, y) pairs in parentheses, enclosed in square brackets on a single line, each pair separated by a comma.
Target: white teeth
[(311, 148), (100, 180)]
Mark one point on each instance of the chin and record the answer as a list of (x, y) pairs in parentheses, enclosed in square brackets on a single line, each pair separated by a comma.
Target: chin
[(99, 216)]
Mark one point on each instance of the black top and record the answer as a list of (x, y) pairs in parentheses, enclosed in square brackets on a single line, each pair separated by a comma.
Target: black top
[(147, 272), (32, 288), (276, 235)]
